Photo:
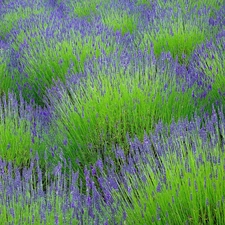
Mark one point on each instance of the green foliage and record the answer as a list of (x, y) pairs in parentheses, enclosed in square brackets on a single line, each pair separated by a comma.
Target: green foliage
[(11, 19), (100, 112), (212, 64), (48, 208), (180, 40), (15, 141), (187, 6), (5, 78), (120, 20), (52, 61), (16, 136), (192, 192), (31, 210), (144, 2), (87, 8)]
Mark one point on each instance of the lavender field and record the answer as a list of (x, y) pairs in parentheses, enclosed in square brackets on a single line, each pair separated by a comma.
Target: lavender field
[(112, 112)]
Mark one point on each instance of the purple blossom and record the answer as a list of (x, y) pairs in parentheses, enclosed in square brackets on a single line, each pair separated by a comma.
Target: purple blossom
[(57, 169), (56, 220), (159, 187), (65, 142), (120, 154)]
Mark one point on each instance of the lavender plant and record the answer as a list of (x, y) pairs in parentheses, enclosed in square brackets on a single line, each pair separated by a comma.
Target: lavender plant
[(180, 40), (65, 56), (209, 61), (101, 100), (189, 188), (18, 131), (87, 9), (120, 20), (10, 20), (99, 111), (60, 203), (188, 5)]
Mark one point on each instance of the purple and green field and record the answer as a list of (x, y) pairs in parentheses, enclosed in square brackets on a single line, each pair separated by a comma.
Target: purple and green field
[(112, 112)]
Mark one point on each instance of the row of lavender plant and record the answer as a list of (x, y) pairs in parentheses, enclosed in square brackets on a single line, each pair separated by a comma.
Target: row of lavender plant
[(174, 176), (97, 110), (106, 99), (66, 41)]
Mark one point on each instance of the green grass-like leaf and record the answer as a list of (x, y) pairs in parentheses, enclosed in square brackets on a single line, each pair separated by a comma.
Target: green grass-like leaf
[(11, 19), (190, 194), (180, 41), (120, 20), (51, 62), (107, 108)]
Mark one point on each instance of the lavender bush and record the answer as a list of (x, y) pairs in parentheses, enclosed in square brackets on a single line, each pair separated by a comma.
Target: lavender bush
[(191, 159), (178, 37), (20, 131), (87, 9), (120, 20), (210, 63), (97, 111), (189, 4), (66, 53), (31, 204), (15, 12)]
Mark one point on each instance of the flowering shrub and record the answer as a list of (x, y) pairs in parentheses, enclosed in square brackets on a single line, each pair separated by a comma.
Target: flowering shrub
[(208, 63), (10, 19), (65, 54), (96, 112), (120, 21), (191, 169), (20, 134), (180, 36)]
